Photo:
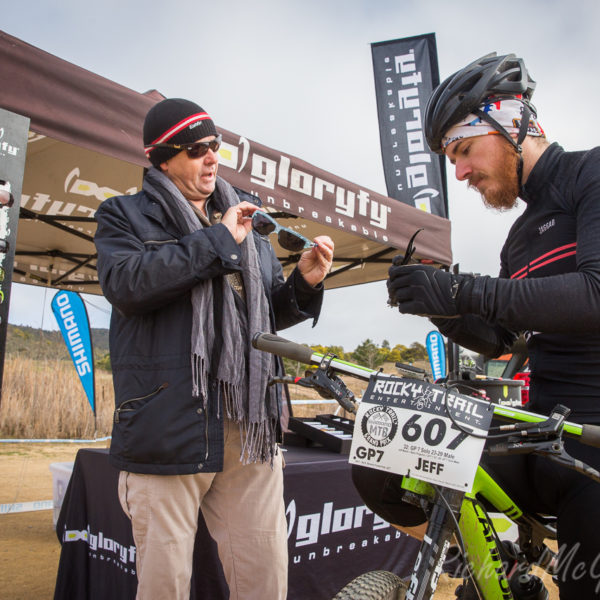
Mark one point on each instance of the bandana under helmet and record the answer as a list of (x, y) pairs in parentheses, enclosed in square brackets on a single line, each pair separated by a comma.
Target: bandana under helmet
[(504, 114)]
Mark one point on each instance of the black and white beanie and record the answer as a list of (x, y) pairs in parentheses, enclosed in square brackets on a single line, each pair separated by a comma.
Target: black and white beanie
[(174, 121)]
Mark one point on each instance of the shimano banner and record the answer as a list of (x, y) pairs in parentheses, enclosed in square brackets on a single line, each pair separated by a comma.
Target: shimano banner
[(406, 72), (437, 354), (72, 318)]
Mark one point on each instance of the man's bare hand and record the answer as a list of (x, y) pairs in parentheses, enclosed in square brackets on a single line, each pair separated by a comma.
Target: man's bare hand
[(238, 219), (314, 264)]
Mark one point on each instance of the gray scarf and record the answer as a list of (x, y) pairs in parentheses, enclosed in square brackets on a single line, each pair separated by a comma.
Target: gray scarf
[(242, 385)]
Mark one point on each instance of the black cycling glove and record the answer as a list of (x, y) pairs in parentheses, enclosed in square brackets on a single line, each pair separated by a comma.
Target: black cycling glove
[(424, 290)]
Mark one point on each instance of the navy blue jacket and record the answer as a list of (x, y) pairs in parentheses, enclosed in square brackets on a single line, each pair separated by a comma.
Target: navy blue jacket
[(147, 270)]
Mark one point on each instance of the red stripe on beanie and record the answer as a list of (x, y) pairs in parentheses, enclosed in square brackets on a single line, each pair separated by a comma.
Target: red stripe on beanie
[(167, 135)]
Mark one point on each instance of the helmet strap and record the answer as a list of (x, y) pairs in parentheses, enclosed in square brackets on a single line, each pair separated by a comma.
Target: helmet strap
[(486, 117), (520, 172), (520, 137)]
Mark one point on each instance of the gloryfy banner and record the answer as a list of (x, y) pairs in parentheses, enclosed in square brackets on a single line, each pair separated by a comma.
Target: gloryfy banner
[(292, 185), (406, 72), (72, 318)]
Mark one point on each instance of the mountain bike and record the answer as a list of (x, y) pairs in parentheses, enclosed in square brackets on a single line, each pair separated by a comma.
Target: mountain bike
[(434, 437)]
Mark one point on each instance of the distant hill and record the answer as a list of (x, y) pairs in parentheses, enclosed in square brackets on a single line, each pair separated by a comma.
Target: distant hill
[(41, 344)]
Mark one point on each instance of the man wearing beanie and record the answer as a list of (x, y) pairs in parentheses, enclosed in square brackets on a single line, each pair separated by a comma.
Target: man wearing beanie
[(196, 426), (482, 119)]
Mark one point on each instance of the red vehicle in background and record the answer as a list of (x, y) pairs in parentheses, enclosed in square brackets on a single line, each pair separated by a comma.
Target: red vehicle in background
[(524, 377)]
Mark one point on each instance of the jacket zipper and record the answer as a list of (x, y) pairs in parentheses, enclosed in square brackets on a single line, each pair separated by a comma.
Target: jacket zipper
[(207, 452), (121, 409), (206, 436)]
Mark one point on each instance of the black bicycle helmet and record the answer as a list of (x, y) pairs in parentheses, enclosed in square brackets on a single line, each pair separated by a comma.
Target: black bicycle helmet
[(490, 76)]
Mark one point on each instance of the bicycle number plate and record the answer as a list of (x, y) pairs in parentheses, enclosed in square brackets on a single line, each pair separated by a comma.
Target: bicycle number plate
[(420, 430)]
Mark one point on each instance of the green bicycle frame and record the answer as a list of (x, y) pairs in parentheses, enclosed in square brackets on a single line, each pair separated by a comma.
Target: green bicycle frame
[(485, 561), (477, 530)]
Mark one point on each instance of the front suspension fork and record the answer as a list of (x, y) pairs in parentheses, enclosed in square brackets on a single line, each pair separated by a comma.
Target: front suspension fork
[(433, 550)]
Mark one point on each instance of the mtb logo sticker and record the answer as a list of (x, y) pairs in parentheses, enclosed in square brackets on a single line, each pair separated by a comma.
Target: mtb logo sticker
[(379, 425)]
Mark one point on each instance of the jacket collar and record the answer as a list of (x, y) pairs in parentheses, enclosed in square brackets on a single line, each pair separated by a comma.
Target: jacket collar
[(547, 163), (155, 211)]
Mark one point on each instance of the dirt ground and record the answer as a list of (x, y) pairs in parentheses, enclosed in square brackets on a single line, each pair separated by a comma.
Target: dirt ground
[(29, 548)]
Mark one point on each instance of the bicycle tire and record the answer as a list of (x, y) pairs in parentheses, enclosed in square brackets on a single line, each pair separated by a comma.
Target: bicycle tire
[(374, 585)]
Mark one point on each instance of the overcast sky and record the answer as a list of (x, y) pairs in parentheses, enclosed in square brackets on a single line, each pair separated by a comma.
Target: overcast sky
[(296, 75)]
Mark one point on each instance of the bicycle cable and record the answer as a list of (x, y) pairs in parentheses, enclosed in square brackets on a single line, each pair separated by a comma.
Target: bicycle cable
[(459, 536), (486, 436)]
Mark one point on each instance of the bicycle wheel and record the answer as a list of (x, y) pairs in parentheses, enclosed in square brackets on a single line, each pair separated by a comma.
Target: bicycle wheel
[(374, 585)]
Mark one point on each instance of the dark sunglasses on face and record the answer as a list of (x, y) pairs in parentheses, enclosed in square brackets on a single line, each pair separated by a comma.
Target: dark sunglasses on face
[(288, 238), (195, 150)]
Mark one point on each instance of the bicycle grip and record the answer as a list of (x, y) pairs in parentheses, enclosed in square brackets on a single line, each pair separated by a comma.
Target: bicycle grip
[(590, 435), (274, 344)]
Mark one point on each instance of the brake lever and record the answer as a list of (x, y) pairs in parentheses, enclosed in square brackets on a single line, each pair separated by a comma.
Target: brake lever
[(539, 438), (550, 428), (516, 446), (552, 449), (325, 382), (566, 460), (332, 387)]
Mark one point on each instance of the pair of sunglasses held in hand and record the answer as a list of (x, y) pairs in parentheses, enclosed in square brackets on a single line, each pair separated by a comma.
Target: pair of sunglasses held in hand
[(288, 238)]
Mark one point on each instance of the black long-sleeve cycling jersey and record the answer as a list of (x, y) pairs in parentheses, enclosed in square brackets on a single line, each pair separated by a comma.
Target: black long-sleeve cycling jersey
[(548, 288)]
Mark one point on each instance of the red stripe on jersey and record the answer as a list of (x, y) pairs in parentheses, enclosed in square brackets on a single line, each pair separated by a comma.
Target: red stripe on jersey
[(532, 266), (560, 249)]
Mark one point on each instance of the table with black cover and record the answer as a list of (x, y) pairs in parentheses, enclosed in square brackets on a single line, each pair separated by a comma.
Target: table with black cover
[(332, 537)]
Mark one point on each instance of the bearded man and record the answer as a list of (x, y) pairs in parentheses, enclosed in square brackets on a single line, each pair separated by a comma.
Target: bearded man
[(548, 289)]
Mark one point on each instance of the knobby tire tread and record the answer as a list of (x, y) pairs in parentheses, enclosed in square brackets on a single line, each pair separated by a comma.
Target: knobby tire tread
[(374, 585)]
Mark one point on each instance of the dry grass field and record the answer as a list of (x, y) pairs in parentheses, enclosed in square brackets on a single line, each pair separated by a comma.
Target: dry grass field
[(44, 400), (29, 548)]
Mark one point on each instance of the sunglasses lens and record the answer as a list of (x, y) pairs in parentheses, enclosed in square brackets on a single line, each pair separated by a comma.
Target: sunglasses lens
[(289, 241), (195, 151), (199, 149), (262, 224)]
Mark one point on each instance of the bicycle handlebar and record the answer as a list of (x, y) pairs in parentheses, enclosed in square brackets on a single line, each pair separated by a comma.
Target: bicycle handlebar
[(590, 435), (268, 342), (282, 347), (274, 344)]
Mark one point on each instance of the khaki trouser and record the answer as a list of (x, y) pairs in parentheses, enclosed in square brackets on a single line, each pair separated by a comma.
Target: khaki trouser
[(244, 511)]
